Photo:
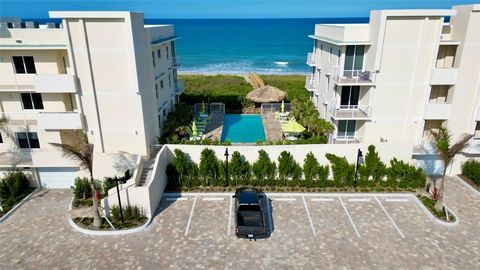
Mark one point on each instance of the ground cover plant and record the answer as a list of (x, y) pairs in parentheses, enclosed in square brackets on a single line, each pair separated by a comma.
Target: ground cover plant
[(471, 169), (132, 217)]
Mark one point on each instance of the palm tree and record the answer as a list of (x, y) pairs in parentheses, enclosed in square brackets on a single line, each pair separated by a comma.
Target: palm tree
[(82, 151), (447, 152)]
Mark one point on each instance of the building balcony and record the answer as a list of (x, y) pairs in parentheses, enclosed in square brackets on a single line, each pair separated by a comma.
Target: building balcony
[(55, 83), (473, 147), (180, 87), (60, 120), (353, 77), (443, 76), (310, 83), (312, 59), (177, 61), (437, 111), (345, 139), (350, 112), (425, 147)]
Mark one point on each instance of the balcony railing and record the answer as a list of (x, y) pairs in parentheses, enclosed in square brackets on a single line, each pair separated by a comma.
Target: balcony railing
[(340, 112), (312, 59), (60, 120), (352, 77), (345, 139), (180, 87), (310, 83), (55, 83), (473, 146), (425, 147), (177, 61)]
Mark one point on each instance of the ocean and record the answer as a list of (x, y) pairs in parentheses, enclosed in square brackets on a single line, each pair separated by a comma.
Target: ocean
[(240, 46)]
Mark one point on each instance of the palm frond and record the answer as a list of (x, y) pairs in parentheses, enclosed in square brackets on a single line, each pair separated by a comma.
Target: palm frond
[(460, 144), (81, 151)]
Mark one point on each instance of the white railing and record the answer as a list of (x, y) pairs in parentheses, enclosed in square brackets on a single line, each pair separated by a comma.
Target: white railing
[(177, 61), (60, 120), (310, 83), (312, 59), (353, 76), (180, 87), (346, 139), (349, 111), (425, 147)]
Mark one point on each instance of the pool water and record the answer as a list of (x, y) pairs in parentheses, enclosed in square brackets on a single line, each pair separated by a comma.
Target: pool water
[(243, 128)]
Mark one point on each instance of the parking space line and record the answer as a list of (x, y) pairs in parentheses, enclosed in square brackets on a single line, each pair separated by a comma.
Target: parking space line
[(322, 199), (389, 217), (284, 199), (349, 217), (396, 200), (213, 199), (191, 214), (229, 216), (309, 217), (359, 200), (177, 199)]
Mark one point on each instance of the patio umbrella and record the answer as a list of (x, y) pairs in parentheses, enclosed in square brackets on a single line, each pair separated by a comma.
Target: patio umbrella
[(194, 129), (266, 94), (203, 107), (283, 106), (292, 127)]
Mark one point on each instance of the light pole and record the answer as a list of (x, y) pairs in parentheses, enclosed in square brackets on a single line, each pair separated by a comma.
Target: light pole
[(226, 164), (359, 162), (121, 180)]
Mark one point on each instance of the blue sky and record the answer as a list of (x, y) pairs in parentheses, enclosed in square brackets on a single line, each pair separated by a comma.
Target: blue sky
[(222, 8)]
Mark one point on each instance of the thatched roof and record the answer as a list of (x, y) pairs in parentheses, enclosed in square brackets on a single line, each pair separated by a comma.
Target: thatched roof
[(266, 94)]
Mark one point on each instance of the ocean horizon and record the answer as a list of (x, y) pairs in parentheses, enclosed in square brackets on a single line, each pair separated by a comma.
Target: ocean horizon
[(239, 46)]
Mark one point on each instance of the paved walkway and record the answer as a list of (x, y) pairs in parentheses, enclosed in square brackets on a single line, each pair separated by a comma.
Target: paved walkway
[(273, 129), (38, 236)]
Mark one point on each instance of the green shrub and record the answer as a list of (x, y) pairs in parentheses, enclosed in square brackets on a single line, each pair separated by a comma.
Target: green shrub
[(82, 189), (471, 169), (288, 168), (264, 169), (239, 169), (403, 175), (14, 186), (82, 202), (373, 171), (209, 166), (130, 213), (314, 173), (173, 128), (343, 172)]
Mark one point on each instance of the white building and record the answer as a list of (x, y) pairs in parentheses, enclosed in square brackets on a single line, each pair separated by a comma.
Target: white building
[(399, 76), (101, 72)]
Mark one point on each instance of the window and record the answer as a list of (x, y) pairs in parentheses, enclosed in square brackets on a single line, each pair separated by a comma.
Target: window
[(164, 112), (169, 80), (338, 58), (156, 90), (1, 139), (161, 84), (439, 94), (476, 135), (321, 49), (27, 140), (159, 53), (330, 55), (354, 57), (24, 64), (153, 59), (166, 49), (32, 101), (346, 129), (349, 97)]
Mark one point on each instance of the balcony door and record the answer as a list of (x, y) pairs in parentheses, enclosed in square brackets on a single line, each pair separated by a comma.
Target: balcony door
[(346, 129), (353, 60), (349, 97)]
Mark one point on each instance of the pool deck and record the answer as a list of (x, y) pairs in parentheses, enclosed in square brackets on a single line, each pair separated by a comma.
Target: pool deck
[(214, 128), (272, 127)]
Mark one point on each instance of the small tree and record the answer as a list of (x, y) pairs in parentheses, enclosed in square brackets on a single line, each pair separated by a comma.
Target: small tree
[(82, 151), (343, 172), (288, 167), (447, 152), (182, 164), (209, 167), (373, 171), (264, 168), (238, 167)]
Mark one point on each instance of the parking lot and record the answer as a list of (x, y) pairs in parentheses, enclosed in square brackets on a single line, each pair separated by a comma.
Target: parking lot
[(203, 216), (308, 231)]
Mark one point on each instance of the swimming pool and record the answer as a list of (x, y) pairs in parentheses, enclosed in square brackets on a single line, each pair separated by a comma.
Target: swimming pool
[(243, 128)]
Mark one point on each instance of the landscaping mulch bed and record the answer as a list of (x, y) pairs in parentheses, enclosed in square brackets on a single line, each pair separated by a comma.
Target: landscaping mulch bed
[(87, 223), (430, 204), (294, 189), (470, 182)]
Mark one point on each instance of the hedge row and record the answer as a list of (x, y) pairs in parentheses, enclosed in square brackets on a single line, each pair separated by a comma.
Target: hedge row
[(287, 172)]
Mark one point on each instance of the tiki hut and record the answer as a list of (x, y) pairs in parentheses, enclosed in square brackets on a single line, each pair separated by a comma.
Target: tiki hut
[(266, 94)]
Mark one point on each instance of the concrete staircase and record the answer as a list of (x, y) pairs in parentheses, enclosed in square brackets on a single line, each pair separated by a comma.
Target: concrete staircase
[(148, 165)]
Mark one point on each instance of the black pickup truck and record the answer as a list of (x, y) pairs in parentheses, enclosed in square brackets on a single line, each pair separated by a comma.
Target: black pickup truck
[(249, 214)]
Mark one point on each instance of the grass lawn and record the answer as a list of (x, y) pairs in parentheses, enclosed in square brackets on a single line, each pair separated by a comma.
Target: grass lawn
[(231, 89)]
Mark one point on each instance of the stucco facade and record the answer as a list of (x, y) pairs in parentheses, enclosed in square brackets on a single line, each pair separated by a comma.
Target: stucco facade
[(399, 76), (102, 72)]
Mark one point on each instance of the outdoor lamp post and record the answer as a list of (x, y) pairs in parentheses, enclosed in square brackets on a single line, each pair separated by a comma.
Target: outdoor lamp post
[(226, 163), (359, 162), (122, 181)]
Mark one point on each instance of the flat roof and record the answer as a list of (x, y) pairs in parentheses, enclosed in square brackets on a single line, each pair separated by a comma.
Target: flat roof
[(340, 42), (90, 14), (417, 12)]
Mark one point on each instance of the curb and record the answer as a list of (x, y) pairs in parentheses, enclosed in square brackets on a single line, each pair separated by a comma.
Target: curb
[(106, 233), (465, 184), (18, 205), (314, 194)]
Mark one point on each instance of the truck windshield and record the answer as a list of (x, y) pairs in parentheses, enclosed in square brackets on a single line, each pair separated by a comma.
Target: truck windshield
[(249, 207)]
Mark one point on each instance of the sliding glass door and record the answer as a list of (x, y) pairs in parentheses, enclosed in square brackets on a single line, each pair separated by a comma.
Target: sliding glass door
[(349, 97), (353, 60), (346, 129)]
